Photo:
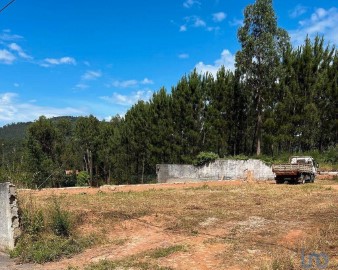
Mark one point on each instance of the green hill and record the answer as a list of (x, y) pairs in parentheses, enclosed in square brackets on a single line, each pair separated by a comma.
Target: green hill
[(17, 131)]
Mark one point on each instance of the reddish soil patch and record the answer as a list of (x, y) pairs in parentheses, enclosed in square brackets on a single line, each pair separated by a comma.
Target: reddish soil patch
[(292, 237)]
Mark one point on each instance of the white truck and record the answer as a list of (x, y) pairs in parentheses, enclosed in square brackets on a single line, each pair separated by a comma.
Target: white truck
[(300, 169)]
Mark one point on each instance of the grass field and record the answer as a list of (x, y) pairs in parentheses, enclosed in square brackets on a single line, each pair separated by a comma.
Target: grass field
[(215, 225)]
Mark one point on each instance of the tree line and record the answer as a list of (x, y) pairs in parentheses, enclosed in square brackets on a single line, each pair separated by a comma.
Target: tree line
[(279, 99)]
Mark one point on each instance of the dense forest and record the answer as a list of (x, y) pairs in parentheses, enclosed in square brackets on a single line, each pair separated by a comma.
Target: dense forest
[(278, 100)]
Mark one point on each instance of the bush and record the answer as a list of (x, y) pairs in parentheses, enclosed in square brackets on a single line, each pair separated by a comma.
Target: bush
[(331, 156), (60, 220), (82, 179), (205, 158)]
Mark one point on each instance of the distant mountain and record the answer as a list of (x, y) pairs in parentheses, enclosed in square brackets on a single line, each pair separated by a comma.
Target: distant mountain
[(17, 131)]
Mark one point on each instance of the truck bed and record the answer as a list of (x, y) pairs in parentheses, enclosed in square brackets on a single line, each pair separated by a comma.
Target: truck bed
[(291, 169)]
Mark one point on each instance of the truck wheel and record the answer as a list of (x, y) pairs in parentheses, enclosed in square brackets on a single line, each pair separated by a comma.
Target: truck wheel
[(312, 178), (301, 179), (279, 181)]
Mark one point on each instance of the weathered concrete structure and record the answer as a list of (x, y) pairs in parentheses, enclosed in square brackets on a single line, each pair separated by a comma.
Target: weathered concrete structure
[(218, 170), (9, 219)]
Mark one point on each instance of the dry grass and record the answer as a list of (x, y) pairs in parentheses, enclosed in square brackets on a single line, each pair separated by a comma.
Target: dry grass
[(250, 226)]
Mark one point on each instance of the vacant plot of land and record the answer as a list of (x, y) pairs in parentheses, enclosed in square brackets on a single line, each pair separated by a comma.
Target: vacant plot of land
[(215, 225)]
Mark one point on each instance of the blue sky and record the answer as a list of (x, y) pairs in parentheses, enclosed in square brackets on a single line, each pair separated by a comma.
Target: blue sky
[(100, 57)]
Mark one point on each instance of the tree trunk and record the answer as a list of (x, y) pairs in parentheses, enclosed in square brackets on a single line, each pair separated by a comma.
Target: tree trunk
[(90, 166), (109, 175), (259, 134), (143, 170)]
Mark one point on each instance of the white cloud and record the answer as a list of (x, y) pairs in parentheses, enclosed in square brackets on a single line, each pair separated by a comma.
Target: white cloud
[(192, 21), (12, 110), (183, 56), (211, 29), (6, 57), (128, 100), (147, 81), (227, 60), (6, 35), (219, 16), (16, 85), (16, 48), (124, 84), (183, 28), (198, 22), (298, 11), (191, 3), (322, 22), (130, 83), (82, 86), (6, 98), (47, 62), (91, 75)]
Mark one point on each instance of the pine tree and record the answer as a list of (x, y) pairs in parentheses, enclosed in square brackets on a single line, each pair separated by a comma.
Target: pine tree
[(188, 117), (137, 140), (86, 136), (161, 129)]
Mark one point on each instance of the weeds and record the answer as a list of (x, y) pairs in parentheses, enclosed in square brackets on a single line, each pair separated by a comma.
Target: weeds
[(164, 252), (125, 265), (47, 234), (119, 241), (281, 262), (137, 262), (32, 221), (60, 220), (46, 249)]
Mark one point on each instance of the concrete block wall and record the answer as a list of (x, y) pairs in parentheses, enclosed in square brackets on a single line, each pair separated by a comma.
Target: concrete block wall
[(218, 170), (9, 218)]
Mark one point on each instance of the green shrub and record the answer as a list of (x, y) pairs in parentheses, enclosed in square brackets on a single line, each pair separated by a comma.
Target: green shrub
[(82, 179), (205, 158), (60, 220), (331, 156)]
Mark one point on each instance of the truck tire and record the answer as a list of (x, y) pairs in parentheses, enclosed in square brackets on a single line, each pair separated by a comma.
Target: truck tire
[(312, 178), (279, 180), (301, 179)]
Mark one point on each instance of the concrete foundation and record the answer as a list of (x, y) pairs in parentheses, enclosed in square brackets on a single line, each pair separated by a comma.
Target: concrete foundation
[(9, 218), (218, 170)]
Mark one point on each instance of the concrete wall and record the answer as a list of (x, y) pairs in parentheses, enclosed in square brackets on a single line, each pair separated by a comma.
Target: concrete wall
[(9, 219), (218, 170)]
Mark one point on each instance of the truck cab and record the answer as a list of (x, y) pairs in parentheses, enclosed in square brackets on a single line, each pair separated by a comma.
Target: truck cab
[(305, 160)]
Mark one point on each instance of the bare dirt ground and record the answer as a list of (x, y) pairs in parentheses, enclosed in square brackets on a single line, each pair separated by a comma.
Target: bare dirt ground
[(231, 225)]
